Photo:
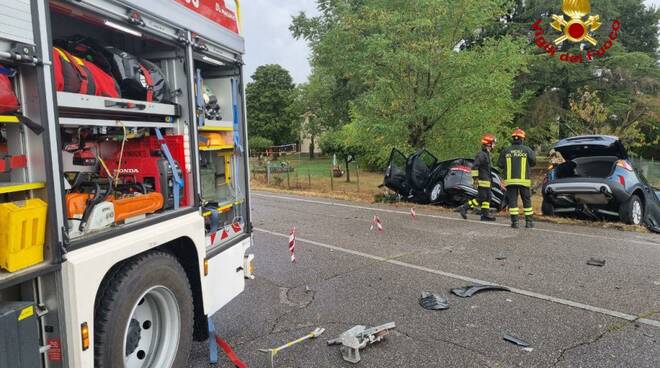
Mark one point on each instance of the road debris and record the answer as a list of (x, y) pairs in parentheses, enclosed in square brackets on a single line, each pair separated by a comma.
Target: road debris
[(500, 258), (272, 352), (596, 262), (468, 291), (515, 340), (358, 337), (529, 350), (433, 302), (413, 214)]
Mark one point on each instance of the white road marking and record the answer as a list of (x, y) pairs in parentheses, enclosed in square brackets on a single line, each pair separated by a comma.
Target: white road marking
[(644, 242), (532, 294)]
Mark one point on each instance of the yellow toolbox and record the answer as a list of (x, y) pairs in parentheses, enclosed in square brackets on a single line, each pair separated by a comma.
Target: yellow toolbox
[(22, 233)]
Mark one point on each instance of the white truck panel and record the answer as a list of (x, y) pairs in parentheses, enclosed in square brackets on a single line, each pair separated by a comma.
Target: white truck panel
[(224, 282), (85, 268)]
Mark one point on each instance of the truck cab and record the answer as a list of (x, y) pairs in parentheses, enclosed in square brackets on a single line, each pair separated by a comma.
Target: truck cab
[(124, 199)]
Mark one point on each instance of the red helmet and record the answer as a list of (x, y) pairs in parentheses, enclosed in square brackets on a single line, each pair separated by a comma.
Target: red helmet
[(518, 133), (488, 139)]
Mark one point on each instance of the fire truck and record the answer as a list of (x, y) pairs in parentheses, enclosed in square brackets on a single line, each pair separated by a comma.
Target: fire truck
[(124, 202)]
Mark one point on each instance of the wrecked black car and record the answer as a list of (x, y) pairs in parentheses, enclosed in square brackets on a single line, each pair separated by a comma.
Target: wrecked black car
[(422, 179), (598, 180)]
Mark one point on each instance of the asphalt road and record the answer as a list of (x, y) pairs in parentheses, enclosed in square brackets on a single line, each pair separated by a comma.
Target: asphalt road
[(571, 314)]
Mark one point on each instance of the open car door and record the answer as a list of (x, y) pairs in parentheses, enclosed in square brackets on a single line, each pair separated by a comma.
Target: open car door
[(419, 169), (395, 174)]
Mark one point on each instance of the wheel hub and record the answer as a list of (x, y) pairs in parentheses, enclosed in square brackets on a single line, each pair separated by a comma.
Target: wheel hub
[(133, 336)]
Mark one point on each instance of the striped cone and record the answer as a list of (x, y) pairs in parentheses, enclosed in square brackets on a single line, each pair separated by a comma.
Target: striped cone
[(413, 214), (292, 244), (377, 223)]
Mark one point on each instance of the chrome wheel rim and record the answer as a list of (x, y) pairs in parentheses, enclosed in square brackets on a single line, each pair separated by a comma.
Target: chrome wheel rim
[(151, 336), (637, 213), (435, 193)]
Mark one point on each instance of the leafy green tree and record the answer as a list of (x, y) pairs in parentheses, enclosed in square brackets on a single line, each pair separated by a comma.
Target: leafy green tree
[(270, 96), (340, 142), (415, 87)]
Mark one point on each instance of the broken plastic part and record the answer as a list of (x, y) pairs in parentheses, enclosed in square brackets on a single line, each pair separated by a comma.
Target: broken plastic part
[(596, 262), (515, 340), (468, 291), (433, 302)]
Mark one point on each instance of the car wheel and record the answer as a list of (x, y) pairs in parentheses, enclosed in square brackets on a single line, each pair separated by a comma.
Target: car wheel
[(632, 212), (547, 208), (435, 193), (144, 315)]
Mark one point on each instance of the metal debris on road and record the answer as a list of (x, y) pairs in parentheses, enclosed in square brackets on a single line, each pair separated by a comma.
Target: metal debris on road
[(433, 302), (515, 340), (468, 291), (358, 337), (596, 262), (500, 258), (316, 333)]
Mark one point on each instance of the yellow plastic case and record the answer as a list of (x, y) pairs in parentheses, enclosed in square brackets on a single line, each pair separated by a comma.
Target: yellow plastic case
[(22, 233)]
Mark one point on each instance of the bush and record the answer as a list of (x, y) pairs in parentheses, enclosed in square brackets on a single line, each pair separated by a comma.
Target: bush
[(259, 145)]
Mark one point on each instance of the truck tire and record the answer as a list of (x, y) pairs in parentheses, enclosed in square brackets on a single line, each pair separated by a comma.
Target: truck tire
[(547, 208), (632, 211), (144, 315)]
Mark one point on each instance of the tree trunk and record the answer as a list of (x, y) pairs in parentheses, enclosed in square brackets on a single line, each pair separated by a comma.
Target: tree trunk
[(348, 172), (311, 148)]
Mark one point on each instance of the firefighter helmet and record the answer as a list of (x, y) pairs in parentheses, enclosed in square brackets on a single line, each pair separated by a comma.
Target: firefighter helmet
[(518, 133), (488, 139)]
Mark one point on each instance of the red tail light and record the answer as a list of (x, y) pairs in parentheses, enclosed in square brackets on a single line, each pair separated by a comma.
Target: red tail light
[(624, 165), (622, 180), (462, 168)]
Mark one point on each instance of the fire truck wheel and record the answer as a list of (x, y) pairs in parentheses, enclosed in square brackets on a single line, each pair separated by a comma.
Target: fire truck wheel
[(144, 315)]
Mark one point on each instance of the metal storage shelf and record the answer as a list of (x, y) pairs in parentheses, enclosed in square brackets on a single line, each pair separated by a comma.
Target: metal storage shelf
[(67, 101), (217, 148), (19, 187), (8, 279), (223, 207), (217, 126), (113, 123)]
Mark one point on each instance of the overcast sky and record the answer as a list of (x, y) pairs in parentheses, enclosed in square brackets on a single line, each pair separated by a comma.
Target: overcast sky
[(268, 40)]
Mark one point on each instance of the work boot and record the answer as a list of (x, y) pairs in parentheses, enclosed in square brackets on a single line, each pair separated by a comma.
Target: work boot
[(486, 215), (514, 222), (529, 222), (463, 210)]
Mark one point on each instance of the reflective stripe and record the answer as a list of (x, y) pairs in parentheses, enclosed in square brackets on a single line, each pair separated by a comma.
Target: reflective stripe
[(508, 168), (529, 211), (514, 211), (484, 183), (473, 203), (522, 182), (523, 167), (485, 205), (475, 173)]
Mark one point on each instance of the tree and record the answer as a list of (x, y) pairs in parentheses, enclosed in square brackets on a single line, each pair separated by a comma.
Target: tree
[(339, 142), (270, 96), (413, 88)]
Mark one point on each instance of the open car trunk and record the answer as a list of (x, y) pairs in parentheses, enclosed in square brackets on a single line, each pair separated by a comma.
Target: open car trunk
[(587, 167)]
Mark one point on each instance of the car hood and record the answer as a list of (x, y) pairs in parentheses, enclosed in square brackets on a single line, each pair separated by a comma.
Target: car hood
[(590, 145)]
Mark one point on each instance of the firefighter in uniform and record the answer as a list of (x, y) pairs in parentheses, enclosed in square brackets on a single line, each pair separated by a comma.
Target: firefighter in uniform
[(516, 161), (481, 169)]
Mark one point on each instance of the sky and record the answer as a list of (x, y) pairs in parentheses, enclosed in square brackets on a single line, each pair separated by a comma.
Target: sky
[(268, 40)]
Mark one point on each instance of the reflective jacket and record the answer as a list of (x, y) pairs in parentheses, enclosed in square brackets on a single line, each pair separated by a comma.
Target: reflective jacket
[(516, 162), (481, 168)]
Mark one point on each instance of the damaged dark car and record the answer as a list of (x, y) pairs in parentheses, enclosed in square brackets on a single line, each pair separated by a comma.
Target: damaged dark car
[(597, 180), (422, 179)]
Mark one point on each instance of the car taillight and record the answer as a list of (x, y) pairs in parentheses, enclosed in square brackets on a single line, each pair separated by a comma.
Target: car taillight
[(622, 180), (624, 164), (462, 168)]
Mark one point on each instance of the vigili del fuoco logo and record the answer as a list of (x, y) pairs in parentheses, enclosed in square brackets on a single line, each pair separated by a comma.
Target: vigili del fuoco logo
[(574, 28)]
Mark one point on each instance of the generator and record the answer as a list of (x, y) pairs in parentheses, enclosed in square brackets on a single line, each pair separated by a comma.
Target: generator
[(143, 162), (19, 335)]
